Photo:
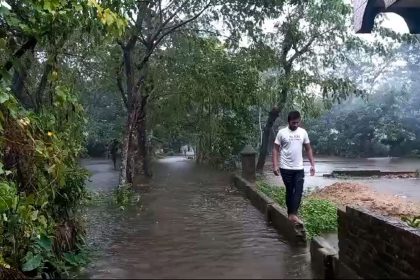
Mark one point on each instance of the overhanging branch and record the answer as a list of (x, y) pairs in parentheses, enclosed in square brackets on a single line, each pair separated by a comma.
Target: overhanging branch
[(28, 45)]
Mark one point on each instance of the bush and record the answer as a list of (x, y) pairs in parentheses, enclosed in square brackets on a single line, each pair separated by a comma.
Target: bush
[(42, 186), (125, 196), (319, 215)]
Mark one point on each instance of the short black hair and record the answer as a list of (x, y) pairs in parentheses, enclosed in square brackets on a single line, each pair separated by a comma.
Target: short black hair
[(293, 115)]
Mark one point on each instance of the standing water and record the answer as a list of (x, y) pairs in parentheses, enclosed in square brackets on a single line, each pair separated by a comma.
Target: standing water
[(192, 224), (408, 187)]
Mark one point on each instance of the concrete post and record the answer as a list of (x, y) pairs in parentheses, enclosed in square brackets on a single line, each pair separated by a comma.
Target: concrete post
[(248, 155)]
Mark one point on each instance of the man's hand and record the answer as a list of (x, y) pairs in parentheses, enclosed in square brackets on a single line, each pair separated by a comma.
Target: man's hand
[(312, 170), (276, 171)]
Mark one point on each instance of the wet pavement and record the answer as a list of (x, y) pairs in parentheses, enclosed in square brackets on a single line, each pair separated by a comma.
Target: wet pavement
[(191, 224)]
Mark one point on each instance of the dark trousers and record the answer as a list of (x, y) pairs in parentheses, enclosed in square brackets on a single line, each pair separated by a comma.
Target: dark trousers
[(293, 181)]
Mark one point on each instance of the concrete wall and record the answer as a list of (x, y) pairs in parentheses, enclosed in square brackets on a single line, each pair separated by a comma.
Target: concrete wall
[(275, 215), (376, 247)]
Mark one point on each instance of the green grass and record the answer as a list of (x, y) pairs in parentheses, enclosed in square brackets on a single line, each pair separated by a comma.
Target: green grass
[(412, 221), (319, 215), (278, 194)]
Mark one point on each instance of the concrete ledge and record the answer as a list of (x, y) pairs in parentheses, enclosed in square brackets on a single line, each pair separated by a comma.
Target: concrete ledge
[(322, 258), (257, 198), (274, 214), (342, 271)]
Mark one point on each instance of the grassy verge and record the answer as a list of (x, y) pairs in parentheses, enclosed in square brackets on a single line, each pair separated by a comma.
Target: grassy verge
[(412, 221), (319, 215)]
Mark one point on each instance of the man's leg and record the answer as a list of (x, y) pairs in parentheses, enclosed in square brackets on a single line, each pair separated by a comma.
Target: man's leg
[(298, 180), (287, 177)]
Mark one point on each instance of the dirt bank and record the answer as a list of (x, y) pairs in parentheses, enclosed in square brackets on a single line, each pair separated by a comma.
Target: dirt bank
[(353, 194)]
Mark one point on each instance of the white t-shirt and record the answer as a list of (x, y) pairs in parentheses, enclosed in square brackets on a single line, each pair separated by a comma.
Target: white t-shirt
[(291, 143)]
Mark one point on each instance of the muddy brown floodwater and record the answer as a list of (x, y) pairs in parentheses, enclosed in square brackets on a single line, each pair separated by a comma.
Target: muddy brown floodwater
[(191, 224)]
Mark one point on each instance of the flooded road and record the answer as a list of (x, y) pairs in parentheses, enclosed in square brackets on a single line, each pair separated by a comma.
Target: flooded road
[(407, 188), (191, 224)]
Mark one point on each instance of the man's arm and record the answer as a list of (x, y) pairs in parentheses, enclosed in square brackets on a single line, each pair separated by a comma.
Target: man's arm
[(276, 153), (310, 155)]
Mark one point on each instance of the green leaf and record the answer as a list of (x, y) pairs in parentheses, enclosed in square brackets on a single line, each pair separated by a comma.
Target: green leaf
[(78, 8), (48, 6), (45, 243), (75, 259), (4, 97), (32, 262), (3, 10), (34, 215)]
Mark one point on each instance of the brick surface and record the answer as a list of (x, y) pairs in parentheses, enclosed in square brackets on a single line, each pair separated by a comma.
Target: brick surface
[(377, 247)]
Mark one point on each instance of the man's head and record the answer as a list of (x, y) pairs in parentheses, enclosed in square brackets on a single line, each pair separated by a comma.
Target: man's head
[(294, 120)]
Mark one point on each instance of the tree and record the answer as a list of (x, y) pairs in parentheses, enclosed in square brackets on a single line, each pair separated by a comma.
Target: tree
[(310, 39), (205, 97), (150, 23)]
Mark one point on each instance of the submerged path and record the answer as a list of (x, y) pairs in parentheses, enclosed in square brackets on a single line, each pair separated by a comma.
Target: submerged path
[(191, 224)]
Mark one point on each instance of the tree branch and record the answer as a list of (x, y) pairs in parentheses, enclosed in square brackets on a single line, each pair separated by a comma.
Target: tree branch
[(156, 43), (303, 50), (30, 44)]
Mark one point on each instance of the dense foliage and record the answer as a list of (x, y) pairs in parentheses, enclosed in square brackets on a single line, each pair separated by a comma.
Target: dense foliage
[(387, 123), (42, 127), (204, 98)]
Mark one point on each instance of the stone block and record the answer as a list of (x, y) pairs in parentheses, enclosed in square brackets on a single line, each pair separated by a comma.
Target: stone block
[(322, 254)]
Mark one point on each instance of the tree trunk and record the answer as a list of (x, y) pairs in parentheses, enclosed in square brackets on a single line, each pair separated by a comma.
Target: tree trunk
[(127, 149), (18, 84), (143, 162), (39, 94), (260, 125), (274, 114), (127, 153), (19, 79)]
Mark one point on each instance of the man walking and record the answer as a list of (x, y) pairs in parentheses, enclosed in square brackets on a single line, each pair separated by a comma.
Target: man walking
[(288, 144), (113, 152)]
